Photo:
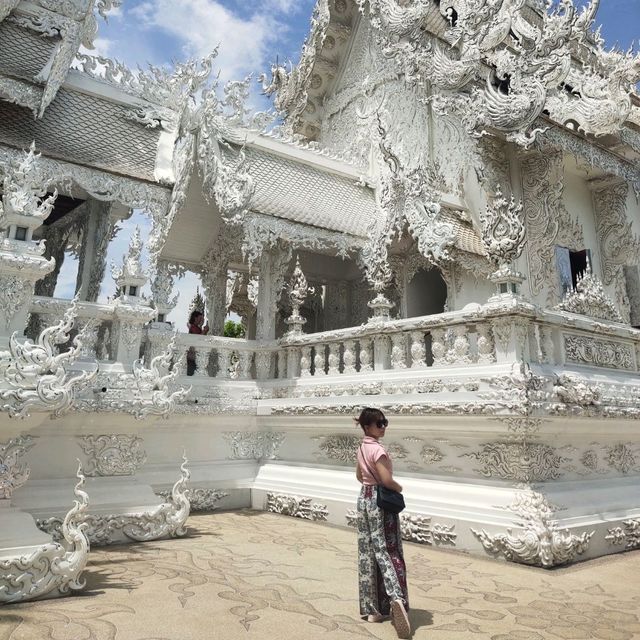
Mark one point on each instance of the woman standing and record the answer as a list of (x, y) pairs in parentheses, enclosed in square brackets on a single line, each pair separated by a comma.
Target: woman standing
[(381, 568)]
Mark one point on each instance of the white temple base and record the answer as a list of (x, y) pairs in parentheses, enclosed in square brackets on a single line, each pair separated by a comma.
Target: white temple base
[(117, 504), (19, 535)]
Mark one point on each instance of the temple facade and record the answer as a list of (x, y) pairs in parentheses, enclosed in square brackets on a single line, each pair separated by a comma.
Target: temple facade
[(439, 217)]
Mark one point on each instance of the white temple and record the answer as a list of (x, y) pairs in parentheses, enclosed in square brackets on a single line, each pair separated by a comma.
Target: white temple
[(441, 220)]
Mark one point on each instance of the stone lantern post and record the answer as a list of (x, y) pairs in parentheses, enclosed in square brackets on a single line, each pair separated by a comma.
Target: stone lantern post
[(132, 309), (22, 210)]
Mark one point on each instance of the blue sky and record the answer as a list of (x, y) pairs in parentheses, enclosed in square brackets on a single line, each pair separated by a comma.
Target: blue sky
[(251, 35)]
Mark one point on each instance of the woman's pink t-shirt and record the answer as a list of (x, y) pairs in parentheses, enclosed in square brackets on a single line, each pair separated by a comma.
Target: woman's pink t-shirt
[(370, 452)]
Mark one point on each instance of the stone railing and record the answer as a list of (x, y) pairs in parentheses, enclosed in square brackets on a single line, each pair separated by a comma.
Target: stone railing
[(457, 338), (477, 337), (226, 358)]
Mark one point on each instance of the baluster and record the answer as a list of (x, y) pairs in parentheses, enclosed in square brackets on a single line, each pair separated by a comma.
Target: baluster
[(305, 362), (398, 351), (319, 360), (365, 355), (438, 347), (380, 352), (459, 351), (224, 361), (418, 350), (263, 364), (244, 364), (486, 347), (282, 364), (349, 356), (334, 359), (293, 362), (202, 360)]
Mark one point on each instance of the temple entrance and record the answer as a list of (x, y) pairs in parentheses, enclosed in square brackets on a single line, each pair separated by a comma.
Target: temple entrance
[(426, 293)]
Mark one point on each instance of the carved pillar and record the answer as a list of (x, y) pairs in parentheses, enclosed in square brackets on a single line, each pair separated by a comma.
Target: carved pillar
[(349, 356), (511, 339), (214, 283), (162, 288), (273, 266), (97, 232)]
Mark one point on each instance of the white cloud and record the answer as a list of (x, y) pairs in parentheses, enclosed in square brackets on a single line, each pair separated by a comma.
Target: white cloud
[(200, 25)]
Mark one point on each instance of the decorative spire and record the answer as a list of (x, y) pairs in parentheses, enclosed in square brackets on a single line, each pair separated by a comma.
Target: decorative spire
[(298, 292), (131, 277), (22, 204), (503, 236), (589, 299)]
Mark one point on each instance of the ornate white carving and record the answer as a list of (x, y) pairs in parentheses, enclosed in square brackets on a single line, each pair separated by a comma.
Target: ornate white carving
[(254, 444), (13, 472), (54, 569), (342, 448), (38, 374), (296, 507), (548, 222), (113, 454), (628, 534), (291, 87), (589, 299), (584, 349), (166, 520), (200, 499), (540, 541), (519, 461), (416, 528), (298, 292)]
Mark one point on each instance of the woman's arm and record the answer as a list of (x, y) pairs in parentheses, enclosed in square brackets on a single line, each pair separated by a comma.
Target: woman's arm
[(386, 477), (358, 473)]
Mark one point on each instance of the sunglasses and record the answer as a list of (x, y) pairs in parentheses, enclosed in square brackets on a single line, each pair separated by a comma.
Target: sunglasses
[(382, 424)]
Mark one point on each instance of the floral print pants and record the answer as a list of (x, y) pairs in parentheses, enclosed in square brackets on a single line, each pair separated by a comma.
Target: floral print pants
[(381, 569)]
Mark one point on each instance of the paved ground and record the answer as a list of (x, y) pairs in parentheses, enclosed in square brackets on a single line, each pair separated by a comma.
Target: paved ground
[(257, 575)]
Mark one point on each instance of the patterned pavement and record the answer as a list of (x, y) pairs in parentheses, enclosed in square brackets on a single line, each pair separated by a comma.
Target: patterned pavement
[(258, 575)]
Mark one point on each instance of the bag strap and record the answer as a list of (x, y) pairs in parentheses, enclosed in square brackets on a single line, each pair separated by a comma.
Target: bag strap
[(368, 467)]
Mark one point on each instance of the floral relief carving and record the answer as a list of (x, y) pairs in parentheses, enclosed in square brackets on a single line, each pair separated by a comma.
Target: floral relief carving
[(255, 445), (628, 534), (113, 454), (417, 528), (519, 461), (200, 499), (296, 507), (583, 349)]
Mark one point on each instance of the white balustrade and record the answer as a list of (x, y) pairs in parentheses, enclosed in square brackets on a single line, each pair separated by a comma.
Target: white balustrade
[(418, 350), (366, 355), (398, 351), (319, 360), (334, 359), (349, 356)]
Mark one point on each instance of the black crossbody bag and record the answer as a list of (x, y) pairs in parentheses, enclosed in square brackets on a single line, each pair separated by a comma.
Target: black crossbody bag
[(388, 500)]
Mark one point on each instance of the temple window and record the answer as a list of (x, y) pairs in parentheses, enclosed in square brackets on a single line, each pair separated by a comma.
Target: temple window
[(570, 264), (21, 233), (133, 291)]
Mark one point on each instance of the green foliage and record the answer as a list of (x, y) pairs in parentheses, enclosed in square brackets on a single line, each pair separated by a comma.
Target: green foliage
[(233, 329)]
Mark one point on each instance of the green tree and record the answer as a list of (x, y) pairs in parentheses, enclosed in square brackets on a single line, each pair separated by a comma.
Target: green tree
[(233, 329)]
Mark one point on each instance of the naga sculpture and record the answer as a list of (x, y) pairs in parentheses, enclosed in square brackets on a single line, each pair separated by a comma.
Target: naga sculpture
[(53, 569), (38, 374)]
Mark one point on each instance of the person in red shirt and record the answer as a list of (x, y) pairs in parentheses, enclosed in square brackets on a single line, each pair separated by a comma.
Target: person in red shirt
[(195, 325)]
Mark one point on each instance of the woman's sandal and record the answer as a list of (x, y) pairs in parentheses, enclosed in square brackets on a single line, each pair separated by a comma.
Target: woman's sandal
[(400, 619), (376, 617)]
